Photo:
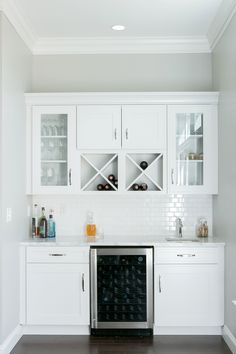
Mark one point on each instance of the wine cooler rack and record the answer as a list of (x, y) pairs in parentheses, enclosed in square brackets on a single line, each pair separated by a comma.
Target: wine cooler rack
[(121, 292), (121, 289)]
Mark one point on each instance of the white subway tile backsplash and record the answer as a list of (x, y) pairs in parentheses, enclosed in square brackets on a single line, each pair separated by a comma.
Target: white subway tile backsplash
[(128, 215)]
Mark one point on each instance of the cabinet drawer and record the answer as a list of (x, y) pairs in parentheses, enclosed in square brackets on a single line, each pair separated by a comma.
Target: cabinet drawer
[(186, 255), (58, 254)]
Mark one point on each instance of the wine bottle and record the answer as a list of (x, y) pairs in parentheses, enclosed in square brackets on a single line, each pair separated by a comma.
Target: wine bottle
[(143, 186), (135, 187), (143, 164), (43, 225), (111, 178), (107, 187), (116, 183), (100, 187), (35, 228)]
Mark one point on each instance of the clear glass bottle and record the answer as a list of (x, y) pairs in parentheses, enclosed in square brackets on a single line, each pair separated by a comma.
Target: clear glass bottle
[(43, 225), (51, 233), (90, 226), (202, 228)]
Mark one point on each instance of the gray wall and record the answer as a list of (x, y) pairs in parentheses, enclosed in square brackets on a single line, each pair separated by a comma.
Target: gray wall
[(163, 72), (16, 79), (224, 80)]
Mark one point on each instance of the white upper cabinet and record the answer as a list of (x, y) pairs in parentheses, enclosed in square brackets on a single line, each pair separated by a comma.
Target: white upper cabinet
[(192, 149), (98, 127), (53, 148), (76, 141), (144, 127), (137, 127)]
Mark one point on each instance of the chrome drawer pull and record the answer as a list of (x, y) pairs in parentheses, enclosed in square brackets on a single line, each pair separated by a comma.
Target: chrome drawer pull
[(186, 255), (57, 254)]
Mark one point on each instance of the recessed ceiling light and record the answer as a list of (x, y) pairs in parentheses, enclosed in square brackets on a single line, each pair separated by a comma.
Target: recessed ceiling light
[(118, 28)]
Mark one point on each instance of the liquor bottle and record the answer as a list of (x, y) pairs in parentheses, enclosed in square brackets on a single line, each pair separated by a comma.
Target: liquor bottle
[(91, 226), (51, 226), (100, 187), (135, 187), (35, 228), (143, 164), (43, 225)]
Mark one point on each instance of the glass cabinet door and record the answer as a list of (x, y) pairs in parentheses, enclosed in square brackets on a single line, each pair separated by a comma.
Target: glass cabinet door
[(189, 149), (53, 139), (192, 148)]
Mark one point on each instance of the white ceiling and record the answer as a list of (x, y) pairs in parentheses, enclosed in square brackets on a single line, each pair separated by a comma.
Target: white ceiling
[(94, 18), (152, 26)]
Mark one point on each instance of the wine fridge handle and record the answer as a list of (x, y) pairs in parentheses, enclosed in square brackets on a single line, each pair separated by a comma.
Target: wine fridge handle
[(83, 289), (70, 173), (172, 176), (159, 284), (115, 133), (127, 133)]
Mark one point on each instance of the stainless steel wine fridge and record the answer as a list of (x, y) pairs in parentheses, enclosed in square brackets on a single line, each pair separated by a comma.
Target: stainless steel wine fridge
[(121, 290)]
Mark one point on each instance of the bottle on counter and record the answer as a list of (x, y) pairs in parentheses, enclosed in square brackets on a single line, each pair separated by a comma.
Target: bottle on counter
[(202, 228), (90, 226), (35, 220), (43, 225), (51, 226)]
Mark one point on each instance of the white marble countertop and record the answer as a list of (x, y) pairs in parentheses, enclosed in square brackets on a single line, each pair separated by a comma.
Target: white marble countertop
[(157, 241)]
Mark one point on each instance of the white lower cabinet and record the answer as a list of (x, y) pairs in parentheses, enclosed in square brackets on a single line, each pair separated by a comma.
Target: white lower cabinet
[(189, 290), (57, 293)]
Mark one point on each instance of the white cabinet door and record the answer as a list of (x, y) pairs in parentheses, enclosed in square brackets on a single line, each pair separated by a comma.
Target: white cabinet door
[(98, 127), (144, 127), (54, 148), (58, 294), (188, 295), (192, 149)]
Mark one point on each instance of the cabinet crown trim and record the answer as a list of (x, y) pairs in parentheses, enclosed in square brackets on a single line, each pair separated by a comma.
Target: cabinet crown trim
[(58, 98)]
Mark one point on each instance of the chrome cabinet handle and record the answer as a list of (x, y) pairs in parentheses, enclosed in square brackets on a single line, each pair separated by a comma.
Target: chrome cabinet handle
[(70, 172), (127, 133), (57, 254), (115, 133), (172, 176), (186, 255), (83, 283), (159, 284)]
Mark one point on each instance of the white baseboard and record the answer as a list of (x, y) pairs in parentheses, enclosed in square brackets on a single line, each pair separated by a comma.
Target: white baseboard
[(229, 339), (11, 340), (214, 330), (56, 330)]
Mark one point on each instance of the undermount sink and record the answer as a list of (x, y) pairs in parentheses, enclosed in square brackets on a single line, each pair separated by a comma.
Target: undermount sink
[(182, 239)]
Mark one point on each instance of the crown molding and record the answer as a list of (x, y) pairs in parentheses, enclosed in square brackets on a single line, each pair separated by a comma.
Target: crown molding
[(14, 16), (129, 45), (221, 21), (74, 98)]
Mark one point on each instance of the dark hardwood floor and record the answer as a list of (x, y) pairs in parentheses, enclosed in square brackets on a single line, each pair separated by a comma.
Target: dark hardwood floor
[(121, 345)]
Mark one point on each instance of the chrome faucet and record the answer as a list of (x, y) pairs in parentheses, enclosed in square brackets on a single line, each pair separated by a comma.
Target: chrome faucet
[(179, 227)]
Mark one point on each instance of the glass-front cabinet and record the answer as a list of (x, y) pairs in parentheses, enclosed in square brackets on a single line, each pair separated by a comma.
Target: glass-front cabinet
[(192, 149), (53, 148)]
